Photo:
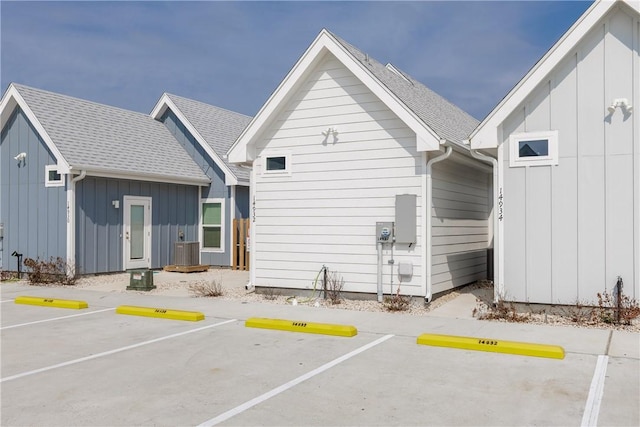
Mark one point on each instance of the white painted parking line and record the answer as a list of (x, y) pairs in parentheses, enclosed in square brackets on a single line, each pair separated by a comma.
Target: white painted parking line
[(284, 387), (6, 300), (55, 318), (592, 408), (107, 353)]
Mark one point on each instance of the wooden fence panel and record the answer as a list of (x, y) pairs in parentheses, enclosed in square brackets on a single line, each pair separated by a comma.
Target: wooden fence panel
[(240, 247)]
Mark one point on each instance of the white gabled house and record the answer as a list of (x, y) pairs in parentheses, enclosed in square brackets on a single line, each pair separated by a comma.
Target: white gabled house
[(566, 140), (345, 143)]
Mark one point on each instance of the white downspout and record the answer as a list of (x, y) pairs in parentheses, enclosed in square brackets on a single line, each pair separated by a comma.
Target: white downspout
[(252, 229), (232, 211), (71, 223), (250, 285), (428, 215), (498, 289)]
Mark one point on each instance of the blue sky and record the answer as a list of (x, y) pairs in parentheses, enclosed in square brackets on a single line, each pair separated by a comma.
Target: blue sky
[(234, 54)]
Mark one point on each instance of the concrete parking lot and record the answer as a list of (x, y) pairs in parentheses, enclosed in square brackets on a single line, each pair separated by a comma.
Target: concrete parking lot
[(93, 367)]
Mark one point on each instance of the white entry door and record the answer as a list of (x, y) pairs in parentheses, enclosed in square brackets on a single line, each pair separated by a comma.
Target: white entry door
[(137, 232)]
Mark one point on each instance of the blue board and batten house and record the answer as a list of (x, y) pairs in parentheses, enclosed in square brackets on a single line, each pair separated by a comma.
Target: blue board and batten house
[(104, 188), (206, 132)]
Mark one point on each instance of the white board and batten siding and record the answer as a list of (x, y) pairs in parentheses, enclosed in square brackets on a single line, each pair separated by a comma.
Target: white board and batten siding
[(459, 225), (325, 211), (571, 229)]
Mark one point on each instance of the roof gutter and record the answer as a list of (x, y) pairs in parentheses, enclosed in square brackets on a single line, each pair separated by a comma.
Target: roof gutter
[(498, 255), (140, 176), (71, 222), (427, 251)]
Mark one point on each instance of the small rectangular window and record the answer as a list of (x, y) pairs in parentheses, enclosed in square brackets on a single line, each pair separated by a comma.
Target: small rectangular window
[(212, 224), (277, 163), (533, 149), (52, 177)]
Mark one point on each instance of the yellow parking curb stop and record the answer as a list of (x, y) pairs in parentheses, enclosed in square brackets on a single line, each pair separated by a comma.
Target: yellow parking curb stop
[(163, 313), (51, 302), (298, 326), (492, 345)]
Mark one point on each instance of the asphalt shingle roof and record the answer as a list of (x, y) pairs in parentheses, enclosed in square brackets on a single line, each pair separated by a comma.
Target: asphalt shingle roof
[(96, 136), (219, 127), (446, 119)]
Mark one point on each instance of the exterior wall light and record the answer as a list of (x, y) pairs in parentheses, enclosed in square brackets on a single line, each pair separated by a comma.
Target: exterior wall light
[(330, 131), (622, 103)]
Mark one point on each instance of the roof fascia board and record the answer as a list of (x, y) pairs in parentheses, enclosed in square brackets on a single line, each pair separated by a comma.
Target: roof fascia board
[(165, 103), (108, 173), (241, 151), (485, 135), (160, 107), (13, 94)]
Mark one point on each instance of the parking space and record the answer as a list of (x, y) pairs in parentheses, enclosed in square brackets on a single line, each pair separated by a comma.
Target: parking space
[(95, 367)]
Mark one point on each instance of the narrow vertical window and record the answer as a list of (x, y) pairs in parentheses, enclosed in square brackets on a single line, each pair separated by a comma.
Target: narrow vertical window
[(212, 225)]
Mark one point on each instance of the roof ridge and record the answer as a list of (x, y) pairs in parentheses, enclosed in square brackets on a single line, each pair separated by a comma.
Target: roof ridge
[(447, 119), (409, 77), (207, 104), (74, 98), (412, 80)]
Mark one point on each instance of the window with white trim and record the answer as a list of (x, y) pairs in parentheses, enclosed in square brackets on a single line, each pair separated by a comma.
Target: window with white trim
[(53, 177), (277, 164), (212, 220), (533, 149)]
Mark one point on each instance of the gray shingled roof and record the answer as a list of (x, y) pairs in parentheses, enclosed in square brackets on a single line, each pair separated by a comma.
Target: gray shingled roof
[(444, 118), (94, 136), (219, 127)]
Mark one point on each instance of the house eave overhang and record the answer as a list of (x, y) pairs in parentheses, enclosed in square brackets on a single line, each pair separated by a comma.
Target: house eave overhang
[(137, 176), (12, 99), (486, 134), (161, 107), (243, 150)]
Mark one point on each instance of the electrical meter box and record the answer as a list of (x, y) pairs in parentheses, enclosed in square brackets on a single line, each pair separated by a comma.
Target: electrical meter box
[(406, 213), (384, 232)]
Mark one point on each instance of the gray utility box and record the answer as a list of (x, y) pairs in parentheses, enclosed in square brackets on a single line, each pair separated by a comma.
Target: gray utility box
[(405, 231), (141, 280), (186, 253)]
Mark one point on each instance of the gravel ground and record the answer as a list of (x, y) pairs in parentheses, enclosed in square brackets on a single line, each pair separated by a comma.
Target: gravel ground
[(232, 287)]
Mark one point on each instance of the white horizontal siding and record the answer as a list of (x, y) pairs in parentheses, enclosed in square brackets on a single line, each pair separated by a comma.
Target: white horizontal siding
[(460, 211), (325, 212)]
